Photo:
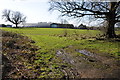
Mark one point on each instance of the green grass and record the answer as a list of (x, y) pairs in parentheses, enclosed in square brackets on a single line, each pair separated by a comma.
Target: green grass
[(53, 38), (48, 37), (49, 40)]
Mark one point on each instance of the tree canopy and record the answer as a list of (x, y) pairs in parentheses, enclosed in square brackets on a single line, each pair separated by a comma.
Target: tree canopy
[(109, 11), (14, 17)]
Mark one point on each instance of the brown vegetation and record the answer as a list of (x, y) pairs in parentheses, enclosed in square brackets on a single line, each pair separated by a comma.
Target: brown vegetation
[(17, 56)]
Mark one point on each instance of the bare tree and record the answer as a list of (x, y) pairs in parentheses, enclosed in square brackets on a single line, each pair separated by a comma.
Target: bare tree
[(14, 17), (64, 21), (109, 11)]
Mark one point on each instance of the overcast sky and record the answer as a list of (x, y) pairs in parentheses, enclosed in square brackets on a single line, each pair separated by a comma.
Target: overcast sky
[(35, 10)]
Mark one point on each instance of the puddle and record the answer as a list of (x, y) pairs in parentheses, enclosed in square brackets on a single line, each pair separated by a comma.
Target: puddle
[(91, 57), (85, 52)]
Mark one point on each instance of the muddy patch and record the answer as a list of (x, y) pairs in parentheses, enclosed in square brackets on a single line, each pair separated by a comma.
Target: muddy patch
[(70, 72), (89, 65)]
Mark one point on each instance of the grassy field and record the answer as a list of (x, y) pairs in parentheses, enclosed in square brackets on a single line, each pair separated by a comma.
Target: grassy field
[(53, 39), (50, 40)]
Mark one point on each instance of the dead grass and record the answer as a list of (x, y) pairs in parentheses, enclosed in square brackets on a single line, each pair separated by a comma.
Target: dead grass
[(18, 54)]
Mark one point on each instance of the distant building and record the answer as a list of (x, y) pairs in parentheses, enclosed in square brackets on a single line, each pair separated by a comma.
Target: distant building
[(54, 25), (8, 25), (81, 26), (40, 24), (57, 25), (29, 25), (47, 25)]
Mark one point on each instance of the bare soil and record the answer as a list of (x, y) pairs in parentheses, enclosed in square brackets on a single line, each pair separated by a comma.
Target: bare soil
[(88, 65)]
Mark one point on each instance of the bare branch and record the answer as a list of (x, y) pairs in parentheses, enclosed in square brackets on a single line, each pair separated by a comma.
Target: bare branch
[(108, 11), (117, 5)]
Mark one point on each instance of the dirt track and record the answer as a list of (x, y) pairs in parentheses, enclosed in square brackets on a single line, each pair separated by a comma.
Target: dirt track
[(90, 65)]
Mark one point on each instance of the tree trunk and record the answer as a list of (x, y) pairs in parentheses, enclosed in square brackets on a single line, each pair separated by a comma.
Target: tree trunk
[(110, 31), (16, 25)]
